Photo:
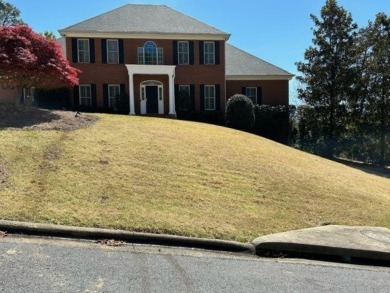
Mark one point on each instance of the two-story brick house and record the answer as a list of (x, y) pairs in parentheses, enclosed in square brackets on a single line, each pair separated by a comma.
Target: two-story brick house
[(149, 52)]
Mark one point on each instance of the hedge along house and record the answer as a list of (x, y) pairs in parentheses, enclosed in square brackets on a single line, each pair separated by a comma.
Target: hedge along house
[(149, 52)]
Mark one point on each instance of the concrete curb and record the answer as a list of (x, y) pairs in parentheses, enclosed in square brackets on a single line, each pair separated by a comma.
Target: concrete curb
[(50, 230), (347, 242)]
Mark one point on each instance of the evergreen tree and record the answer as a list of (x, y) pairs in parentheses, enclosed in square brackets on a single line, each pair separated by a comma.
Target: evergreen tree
[(329, 70), (9, 14), (378, 70)]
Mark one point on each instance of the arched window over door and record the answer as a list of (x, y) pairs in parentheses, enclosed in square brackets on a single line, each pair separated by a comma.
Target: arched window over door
[(150, 54)]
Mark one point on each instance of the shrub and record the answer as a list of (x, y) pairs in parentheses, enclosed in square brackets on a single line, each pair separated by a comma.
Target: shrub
[(272, 122), (240, 112), (58, 98)]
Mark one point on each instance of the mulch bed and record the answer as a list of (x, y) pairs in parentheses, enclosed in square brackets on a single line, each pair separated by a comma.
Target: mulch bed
[(32, 118)]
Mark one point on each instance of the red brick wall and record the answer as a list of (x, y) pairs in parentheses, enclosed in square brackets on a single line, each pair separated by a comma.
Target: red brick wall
[(197, 74), (275, 92)]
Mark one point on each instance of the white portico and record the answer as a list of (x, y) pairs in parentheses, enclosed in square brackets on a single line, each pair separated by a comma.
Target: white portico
[(151, 70)]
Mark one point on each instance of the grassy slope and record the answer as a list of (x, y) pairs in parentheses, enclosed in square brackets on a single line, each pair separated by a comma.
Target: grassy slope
[(159, 175)]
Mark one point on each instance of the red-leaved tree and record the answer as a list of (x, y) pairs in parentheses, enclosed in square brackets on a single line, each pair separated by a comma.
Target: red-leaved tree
[(29, 59)]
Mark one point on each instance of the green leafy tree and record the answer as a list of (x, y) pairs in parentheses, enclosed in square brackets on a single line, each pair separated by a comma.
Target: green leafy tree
[(9, 14), (328, 71), (49, 35)]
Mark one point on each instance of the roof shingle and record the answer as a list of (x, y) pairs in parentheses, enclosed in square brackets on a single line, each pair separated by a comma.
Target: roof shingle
[(241, 63), (135, 18)]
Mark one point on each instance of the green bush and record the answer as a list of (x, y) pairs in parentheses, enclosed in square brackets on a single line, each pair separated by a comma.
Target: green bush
[(58, 98), (272, 122), (240, 112)]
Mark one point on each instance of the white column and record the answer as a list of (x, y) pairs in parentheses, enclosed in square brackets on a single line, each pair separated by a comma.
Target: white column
[(172, 110), (131, 94)]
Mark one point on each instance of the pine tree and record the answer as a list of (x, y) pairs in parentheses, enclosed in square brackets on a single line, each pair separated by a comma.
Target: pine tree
[(378, 70), (328, 71)]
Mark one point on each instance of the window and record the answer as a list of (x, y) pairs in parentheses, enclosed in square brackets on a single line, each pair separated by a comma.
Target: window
[(83, 50), (209, 97), (184, 95), (150, 54), (251, 93), (85, 95), (183, 51), (209, 53), (112, 51), (114, 91)]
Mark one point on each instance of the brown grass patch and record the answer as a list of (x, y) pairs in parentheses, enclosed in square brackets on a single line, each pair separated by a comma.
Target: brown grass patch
[(168, 176)]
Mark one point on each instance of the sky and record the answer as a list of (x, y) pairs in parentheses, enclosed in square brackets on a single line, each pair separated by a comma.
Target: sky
[(277, 31)]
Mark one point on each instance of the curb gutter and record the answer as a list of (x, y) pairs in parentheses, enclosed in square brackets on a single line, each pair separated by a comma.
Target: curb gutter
[(50, 230)]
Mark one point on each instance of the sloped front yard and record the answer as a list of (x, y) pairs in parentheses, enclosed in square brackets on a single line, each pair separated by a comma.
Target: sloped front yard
[(168, 176)]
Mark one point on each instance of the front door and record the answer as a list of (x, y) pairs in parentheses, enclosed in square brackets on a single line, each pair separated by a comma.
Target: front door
[(152, 99)]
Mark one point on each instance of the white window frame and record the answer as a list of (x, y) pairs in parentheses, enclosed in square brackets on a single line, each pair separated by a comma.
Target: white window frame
[(209, 100), (187, 88), (84, 98), (185, 54), (209, 57), (251, 96), (112, 99), (86, 52), (158, 55), (116, 61)]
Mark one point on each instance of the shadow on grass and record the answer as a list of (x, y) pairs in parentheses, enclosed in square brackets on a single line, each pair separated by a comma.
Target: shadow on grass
[(12, 116), (371, 169)]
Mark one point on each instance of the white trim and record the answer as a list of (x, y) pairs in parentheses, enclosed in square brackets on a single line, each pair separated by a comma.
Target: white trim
[(90, 94), (152, 69), (144, 98), (255, 97), (214, 97), (108, 94), (188, 53), (259, 77), (117, 43), (204, 53), (78, 51), (156, 36)]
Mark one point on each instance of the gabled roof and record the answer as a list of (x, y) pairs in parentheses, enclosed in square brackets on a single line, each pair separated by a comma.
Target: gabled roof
[(242, 65), (143, 19)]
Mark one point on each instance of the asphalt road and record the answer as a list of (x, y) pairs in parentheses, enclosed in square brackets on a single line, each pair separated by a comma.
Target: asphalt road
[(55, 265)]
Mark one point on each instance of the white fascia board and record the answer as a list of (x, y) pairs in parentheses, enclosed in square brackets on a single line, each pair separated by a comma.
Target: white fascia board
[(150, 69), (156, 36), (259, 77)]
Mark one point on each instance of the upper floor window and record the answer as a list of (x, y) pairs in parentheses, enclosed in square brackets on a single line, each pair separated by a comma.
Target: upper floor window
[(251, 93), (112, 51), (83, 51), (209, 97), (209, 53), (150, 54), (85, 96), (183, 52)]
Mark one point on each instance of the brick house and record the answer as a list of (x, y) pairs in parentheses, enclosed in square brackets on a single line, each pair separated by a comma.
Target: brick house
[(149, 52)]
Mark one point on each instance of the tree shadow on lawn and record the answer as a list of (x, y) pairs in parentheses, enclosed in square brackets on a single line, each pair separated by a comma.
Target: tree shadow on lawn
[(24, 116), (371, 169), (32, 118)]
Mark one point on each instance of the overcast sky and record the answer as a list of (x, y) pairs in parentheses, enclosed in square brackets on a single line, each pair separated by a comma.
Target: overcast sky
[(277, 31)]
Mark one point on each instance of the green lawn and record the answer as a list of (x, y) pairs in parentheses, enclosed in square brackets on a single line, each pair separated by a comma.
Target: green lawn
[(184, 178)]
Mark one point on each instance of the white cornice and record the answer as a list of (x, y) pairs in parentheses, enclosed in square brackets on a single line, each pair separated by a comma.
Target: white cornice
[(157, 36), (259, 77), (151, 69)]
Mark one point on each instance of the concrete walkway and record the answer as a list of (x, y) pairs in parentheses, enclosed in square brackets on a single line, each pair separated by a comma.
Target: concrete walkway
[(367, 243)]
